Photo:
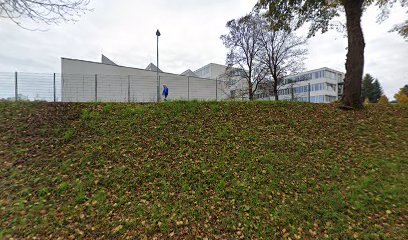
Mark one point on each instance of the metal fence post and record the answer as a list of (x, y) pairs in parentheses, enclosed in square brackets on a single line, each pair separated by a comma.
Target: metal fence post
[(216, 89), (96, 87), (158, 90), (15, 87), (55, 92), (188, 88), (62, 88), (128, 88)]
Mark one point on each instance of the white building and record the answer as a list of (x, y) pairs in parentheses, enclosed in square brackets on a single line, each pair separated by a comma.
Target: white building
[(105, 81), (235, 86), (85, 81), (323, 85)]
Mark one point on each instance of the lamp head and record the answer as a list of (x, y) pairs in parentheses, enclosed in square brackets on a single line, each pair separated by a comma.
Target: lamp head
[(158, 33)]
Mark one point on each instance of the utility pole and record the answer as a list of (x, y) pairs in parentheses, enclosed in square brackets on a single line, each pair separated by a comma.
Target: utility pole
[(157, 66)]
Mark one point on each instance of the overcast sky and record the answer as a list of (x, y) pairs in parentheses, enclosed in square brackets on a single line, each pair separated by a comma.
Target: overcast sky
[(125, 32)]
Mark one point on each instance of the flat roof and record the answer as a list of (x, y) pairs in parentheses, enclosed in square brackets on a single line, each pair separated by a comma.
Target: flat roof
[(79, 60), (314, 70)]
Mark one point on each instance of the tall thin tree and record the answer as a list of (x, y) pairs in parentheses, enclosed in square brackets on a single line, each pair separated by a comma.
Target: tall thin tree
[(282, 53), (378, 91), (242, 42), (371, 89)]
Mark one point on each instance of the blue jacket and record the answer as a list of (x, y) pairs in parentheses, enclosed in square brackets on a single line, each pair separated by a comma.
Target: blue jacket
[(166, 91)]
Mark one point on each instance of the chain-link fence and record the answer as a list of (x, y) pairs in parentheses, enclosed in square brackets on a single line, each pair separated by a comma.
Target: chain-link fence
[(137, 88), (107, 88), (22, 86)]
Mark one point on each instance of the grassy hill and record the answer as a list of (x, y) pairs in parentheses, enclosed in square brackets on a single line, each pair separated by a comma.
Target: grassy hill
[(191, 170)]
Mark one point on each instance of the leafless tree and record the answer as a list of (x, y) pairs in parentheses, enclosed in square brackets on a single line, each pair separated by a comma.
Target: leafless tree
[(282, 53), (42, 11), (243, 44)]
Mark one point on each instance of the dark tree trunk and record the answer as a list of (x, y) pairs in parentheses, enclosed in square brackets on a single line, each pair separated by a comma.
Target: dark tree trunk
[(251, 95), (275, 87), (250, 91), (355, 54)]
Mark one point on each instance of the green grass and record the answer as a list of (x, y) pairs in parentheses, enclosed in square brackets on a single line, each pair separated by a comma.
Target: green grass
[(196, 170)]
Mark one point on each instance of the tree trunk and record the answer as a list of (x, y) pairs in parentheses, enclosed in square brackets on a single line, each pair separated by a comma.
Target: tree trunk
[(251, 95), (275, 87), (250, 91), (355, 54)]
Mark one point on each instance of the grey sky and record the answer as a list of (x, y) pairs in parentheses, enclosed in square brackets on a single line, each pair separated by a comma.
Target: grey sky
[(125, 32)]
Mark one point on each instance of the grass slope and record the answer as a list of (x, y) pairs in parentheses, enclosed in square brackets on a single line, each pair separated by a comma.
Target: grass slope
[(188, 170)]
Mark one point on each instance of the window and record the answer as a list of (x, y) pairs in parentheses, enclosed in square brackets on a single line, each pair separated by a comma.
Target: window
[(317, 87), (317, 99), (330, 98), (319, 74), (239, 72), (231, 82), (331, 87), (302, 99)]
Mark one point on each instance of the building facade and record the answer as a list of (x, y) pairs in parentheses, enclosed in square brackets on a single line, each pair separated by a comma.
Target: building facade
[(86, 81), (105, 81), (323, 85), (234, 86)]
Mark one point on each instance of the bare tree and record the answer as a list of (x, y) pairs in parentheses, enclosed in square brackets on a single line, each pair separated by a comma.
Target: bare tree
[(282, 53), (42, 11), (242, 41)]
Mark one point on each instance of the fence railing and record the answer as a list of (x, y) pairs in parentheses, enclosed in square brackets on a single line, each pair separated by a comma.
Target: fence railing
[(30, 86), (57, 87)]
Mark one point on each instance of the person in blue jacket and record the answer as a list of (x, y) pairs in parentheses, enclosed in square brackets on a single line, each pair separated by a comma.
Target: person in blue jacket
[(165, 92)]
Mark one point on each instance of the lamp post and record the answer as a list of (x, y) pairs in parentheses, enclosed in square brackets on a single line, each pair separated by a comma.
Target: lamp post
[(157, 66)]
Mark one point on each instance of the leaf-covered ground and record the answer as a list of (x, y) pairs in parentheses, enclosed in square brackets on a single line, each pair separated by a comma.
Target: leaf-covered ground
[(191, 170)]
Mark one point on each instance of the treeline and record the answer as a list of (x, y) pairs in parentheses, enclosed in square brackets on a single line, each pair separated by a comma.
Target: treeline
[(372, 92)]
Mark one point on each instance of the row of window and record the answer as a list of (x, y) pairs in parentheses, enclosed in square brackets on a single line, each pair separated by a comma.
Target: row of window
[(304, 77), (314, 75), (302, 99), (305, 89), (322, 99), (333, 75), (315, 99)]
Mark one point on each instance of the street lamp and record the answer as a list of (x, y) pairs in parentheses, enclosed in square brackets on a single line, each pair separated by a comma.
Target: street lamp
[(157, 66)]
